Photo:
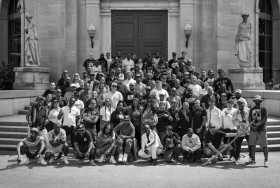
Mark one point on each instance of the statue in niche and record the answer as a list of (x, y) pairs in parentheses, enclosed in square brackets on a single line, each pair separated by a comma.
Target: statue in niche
[(32, 57), (243, 45)]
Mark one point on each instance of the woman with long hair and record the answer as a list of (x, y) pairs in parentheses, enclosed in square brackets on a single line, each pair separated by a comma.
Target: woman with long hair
[(106, 144), (90, 117), (135, 112), (76, 80), (53, 116), (149, 115), (102, 83), (118, 115)]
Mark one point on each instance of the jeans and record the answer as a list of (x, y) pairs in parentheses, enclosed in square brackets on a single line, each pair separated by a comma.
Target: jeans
[(70, 131), (121, 143), (83, 150)]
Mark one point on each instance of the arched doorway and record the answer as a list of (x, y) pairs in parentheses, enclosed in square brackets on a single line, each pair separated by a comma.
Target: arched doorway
[(265, 39), (10, 42)]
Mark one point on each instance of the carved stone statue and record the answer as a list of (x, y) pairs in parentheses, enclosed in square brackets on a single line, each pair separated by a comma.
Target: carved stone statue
[(243, 45), (32, 57)]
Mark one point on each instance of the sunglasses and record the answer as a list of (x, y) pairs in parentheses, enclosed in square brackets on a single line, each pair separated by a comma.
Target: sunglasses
[(81, 130), (114, 86), (211, 127)]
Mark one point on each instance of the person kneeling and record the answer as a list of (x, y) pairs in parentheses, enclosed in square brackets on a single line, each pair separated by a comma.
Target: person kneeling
[(151, 145), (31, 147), (172, 145), (125, 132), (214, 141), (57, 140), (83, 144), (191, 147), (106, 144)]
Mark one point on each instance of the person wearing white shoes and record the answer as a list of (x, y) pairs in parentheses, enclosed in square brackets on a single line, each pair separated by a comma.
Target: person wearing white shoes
[(106, 144), (58, 144), (31, 147), (125, 132), (151, 146), (258, 117), (83, 145)]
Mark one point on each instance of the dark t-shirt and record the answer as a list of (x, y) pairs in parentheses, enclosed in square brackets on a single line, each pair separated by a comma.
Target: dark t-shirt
[(205, 100), (215, 138), (190, 99), (83, 140), (162, 121), (257, 114), (198, 115), (225, 80), (175, 137)]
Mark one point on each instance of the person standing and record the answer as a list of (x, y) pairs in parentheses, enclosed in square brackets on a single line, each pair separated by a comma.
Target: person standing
[(114, 95), (185, 116), (127, 63), (214, 114), (88, 61), (258, 117)]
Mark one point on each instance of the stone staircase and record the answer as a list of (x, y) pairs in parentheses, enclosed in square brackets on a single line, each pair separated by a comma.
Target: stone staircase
[(14, 128)]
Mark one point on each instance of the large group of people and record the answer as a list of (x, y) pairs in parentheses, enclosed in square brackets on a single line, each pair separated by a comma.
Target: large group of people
[(123, 108)]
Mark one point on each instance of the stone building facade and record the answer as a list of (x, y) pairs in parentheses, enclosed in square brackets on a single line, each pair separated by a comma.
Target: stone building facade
[(65, 43)]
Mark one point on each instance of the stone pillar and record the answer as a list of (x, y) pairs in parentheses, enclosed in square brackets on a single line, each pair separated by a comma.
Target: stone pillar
[(186, 14), (31, 78), (93, 15), (106, 30), (173, 37), (247, 78)]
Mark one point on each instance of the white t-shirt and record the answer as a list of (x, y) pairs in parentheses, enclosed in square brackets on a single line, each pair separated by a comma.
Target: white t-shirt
[(228, 119), (127, 64), (95, 70), (69, 115), (115, 98), (106, 115), (79, 104), (196, 89), (53, 115), (158, 92), (127, 82)]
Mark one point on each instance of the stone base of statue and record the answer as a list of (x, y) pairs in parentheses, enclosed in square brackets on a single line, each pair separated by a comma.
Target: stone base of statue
[(247, 78), (31, 78)]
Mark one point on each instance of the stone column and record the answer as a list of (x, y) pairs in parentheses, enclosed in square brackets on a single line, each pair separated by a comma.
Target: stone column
[(93, 15), (105, 30), (173, 33), (186, 14)]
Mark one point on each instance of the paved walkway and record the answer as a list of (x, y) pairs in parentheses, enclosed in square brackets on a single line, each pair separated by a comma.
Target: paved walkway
[(138, 174)]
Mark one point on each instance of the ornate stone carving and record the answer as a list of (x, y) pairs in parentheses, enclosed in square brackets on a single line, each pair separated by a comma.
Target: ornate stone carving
[(243, 45)]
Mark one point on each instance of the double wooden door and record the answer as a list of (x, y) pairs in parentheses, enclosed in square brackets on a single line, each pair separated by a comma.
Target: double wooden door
[(139, 32)]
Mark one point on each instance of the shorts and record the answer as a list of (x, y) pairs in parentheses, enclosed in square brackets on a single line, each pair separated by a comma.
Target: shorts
[(254, 137)]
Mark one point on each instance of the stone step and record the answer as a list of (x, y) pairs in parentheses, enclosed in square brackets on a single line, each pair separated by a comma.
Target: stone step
[(4, 134), (10, 141), (23, 112), (8, 147), (269, 141), (32, 103), (273, 134), (14, 124), (272, 147), (8, 128), (27, 107), (273, 128)]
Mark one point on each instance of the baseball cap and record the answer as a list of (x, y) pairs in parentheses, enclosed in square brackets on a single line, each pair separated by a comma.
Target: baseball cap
[(240, 101), (220, 70), (137, 75), (73, 85), (81, 126), (238, 91), (169, 127), (121, 77), (34, 129)]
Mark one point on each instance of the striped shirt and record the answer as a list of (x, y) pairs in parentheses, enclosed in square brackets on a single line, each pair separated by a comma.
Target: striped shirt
[(33, 145)]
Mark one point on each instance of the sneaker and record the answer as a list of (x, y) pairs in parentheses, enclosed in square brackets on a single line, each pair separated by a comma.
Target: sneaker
[(265, 164), (177, 162), (120, 160), (92, 163), (125, 158), (251, 161), (154, 162), (81, 160), (239, 162), (42, 160), (101, 159), (23, 160), (232, 159), (65, 159), (112, 160), (51, 160)]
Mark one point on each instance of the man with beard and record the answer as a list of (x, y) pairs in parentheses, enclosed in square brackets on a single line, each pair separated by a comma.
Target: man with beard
[(205, 98), (223, 79), (199, 120), (57, 139), (130, 95), (171, 61), (83, 145), (121, 87), (125, 133), (31, 147), (88, 61), (189, 97)]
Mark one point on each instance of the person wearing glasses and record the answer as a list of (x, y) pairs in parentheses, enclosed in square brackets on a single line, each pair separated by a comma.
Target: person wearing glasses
[(83, 145), (71, 117), (125, 133), (114, 95), (62, 101), (214, 141)]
